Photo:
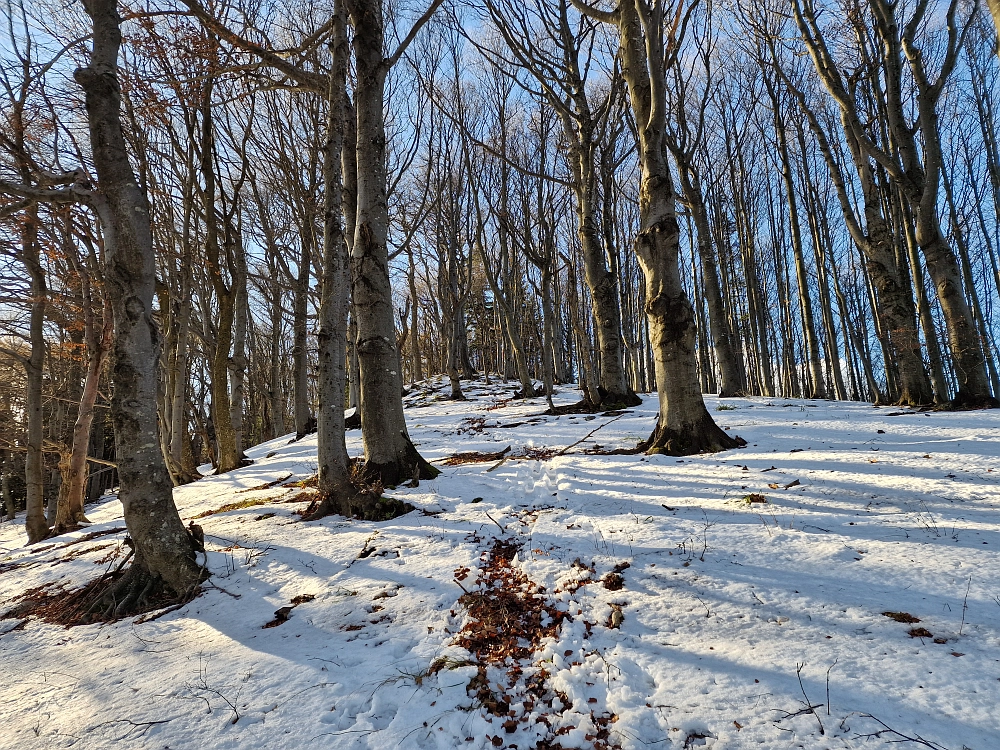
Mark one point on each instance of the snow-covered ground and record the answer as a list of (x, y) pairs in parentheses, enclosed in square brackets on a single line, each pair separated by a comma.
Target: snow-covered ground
[(733, 611)]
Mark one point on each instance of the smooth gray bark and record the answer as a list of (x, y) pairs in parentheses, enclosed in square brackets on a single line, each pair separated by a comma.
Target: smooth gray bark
[(163, 548)]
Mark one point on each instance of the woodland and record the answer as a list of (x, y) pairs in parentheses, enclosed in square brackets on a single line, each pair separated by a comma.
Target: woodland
[(224, 223)]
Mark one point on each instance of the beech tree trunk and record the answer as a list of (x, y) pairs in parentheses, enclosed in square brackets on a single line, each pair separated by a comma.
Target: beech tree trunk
[(69, 511), (685, 425), (225, 298), (36, 524), (389, 453), (5, 493), (304, 423), (163, 548), (913, 165), (417, 372), (731, 380), (816, 384), (334, 463)]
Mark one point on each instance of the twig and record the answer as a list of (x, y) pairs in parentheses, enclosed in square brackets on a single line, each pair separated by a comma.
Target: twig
[(902, 737), (502, 529), (563, 451), (498, 464), (812, 709), (219, 588), (828, 686), (965, 604), (145, 726)]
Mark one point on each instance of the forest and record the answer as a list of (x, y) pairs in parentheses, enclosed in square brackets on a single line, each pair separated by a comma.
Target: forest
[(368, 257)]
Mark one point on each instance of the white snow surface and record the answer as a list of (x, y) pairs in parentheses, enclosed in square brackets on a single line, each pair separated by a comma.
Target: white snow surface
[(723, 601)]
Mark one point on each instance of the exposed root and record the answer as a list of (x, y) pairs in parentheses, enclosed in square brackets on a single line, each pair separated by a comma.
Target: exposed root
[(356, 499), (965, 402), (411, 465), (113, 596), (583, 406), (700, 436), (609, 402)]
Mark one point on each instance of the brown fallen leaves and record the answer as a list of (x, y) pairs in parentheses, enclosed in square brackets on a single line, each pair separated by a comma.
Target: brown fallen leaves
[(509, 616)]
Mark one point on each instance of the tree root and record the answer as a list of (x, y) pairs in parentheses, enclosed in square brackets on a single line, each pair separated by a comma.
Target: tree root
[(411, 466), (353, 502), (963, 401), (609, 402), (114, 596), (700, 436)]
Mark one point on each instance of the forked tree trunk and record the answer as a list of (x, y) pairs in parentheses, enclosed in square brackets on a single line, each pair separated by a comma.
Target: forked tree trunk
[(914, 164), (389, 453), (685, 425), (334, 464), (163, 548), (614, 389)]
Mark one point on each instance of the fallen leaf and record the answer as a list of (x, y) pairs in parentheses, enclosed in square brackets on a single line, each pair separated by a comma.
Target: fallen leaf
[(901, 617)]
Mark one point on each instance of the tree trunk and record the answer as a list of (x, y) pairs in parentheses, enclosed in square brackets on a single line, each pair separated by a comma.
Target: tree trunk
[(238, 364), (389, 454), (304, 423), (730, 373), (614, 389), (335, 484), (417, 371), (70, 511), (684, 426), (178, 396), (9, 507), (228, 455), (276, 393), (163, 548), (36, 524), (816, 387)]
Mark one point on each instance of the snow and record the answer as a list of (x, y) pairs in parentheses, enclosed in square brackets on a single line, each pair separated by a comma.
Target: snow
[(723, 600)]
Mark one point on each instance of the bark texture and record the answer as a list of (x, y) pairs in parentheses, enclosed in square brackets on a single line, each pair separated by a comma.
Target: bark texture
[(389, 453), (684, 425), (163, 548)]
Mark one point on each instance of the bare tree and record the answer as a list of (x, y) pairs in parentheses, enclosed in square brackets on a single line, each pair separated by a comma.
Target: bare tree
[(649, 44)]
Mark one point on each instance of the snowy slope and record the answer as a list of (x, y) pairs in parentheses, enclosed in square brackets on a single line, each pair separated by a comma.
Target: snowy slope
[(723, 600)]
